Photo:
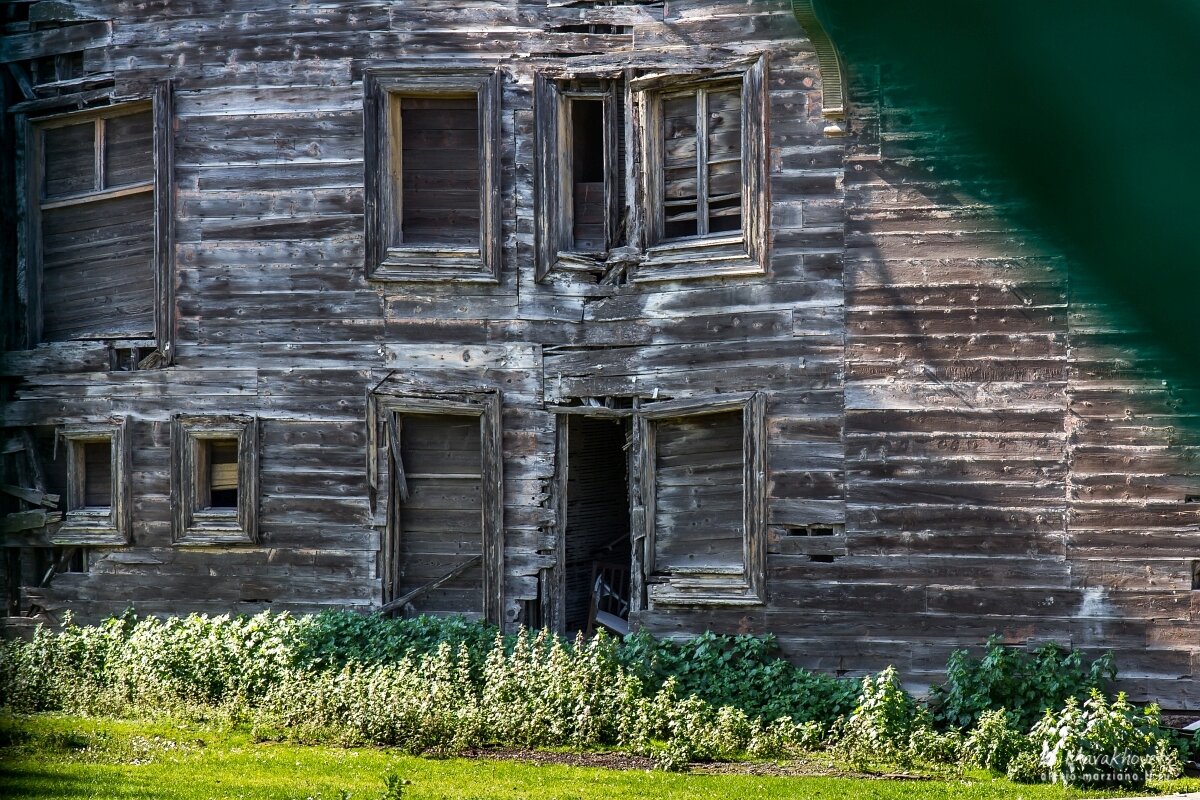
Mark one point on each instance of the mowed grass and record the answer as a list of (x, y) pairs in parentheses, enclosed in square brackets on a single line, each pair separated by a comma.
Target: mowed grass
[(58, 756)]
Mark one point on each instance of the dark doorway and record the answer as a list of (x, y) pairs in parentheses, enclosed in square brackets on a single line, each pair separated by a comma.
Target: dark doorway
[(597, 554)]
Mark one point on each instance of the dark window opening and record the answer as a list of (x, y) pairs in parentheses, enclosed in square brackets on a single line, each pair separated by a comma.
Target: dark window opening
[(588, 229), (822, 559), (222, 483), (438, 485), (597, 563), (439, 149), (702, 162), (97, 474)]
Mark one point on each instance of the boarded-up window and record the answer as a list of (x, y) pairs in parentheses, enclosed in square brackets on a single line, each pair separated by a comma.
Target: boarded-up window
[(703, 465), (698, 494), (440, 166), (214, 484), (219, 485), (440, 512), (702, 161), (95, 234), (432, 173)]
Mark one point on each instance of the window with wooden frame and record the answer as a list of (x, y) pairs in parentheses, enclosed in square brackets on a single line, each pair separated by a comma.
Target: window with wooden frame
[(97, 507), (215, 479), (443, 550), (581, 176), (433, 173), (96, 225), (705, 203), (703, 517)]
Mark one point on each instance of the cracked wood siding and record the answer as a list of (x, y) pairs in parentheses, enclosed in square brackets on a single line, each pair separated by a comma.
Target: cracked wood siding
[(925, 385)]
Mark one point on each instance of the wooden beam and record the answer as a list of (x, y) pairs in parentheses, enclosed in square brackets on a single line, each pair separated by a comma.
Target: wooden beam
[(31, 495), (22, 78), (404, 600), (69, 39), (29, 520)]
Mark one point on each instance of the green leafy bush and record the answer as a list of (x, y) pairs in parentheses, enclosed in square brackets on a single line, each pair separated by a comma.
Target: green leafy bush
[(1098, 742), (1022, 682), (993, 743), (746, 672), (888, 726)]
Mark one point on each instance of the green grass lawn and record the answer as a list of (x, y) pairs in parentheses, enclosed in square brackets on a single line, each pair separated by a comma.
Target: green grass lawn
[(57, 756)]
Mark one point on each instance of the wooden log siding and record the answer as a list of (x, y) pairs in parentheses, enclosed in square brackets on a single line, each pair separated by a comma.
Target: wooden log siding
[(1000, 449)]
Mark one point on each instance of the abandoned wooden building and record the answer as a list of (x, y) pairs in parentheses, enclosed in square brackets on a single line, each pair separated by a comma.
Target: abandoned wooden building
[(572, 313)]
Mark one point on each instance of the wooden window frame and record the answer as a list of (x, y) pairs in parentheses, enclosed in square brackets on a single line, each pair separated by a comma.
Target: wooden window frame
[(104, 526), (29, 264), (192, 523), (553, 191), (704, 588), (388, 259), (742, 253), (382, 410)]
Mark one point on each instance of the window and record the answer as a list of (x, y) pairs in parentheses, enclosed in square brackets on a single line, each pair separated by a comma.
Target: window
[(443, 547), (581, 186), (215, 488), (432, 179), (96, 224), (702, 473), (97, 485), (705, 204)]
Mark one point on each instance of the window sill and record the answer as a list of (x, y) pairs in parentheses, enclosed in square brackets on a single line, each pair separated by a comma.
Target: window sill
[(434, 263), (88, 528), (702, 591), (215, 527), (698, 258)]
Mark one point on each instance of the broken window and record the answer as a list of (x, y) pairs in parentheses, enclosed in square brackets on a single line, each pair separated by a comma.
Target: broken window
[(215, 487), (702, 161), (97, 508), (705, 203), (702, 466), (442, 550), (433, 174), (96, 221), (581, 172)]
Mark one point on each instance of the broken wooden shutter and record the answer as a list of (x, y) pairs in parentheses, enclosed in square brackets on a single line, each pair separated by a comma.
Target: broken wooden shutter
[(698, 523), (702, 484), (96, 224), (441, 521), (440, 168), (702, 161)]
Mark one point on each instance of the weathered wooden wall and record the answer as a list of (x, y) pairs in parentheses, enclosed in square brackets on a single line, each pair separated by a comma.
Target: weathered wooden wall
[(1001, 461)]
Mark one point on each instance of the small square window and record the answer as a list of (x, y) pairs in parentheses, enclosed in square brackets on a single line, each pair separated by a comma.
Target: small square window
[(432, 178), (215, 492), (97, 485)]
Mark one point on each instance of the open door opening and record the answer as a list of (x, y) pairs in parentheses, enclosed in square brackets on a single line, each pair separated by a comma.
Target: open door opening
[(596, 562)]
